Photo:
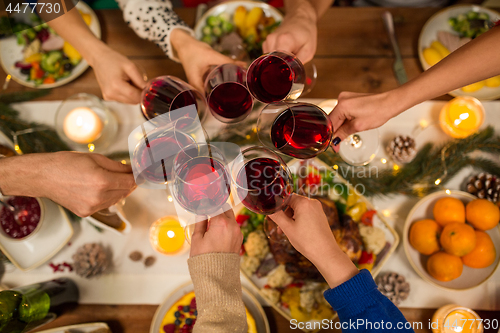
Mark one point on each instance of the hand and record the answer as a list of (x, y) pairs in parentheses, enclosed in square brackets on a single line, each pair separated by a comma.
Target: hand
[(310, 234), (356, 112), (196, 57), (82, 182), (119, 78), (297, 33), (223, 235)]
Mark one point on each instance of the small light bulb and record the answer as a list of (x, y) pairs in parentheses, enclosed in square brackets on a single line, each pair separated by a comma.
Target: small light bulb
[(384, 160), (386, 212), (438, 181), (91, 147), (396, 167), (448, 192), (335, 167), (123, 162), (170, 199)]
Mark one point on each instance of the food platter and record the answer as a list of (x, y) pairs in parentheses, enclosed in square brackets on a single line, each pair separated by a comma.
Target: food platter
[(262, 282), (11, 52), (439, 22)]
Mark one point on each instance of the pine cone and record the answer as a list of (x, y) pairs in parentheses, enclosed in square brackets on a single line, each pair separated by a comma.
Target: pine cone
[(485, 186), (90, 260), (402, 149), (393, 286)]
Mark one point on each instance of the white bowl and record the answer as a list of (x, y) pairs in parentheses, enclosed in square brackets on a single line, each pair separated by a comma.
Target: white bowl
[(438, 22), (10, 53), (38, 226), (230, 7), (251, 304), (471, 277)]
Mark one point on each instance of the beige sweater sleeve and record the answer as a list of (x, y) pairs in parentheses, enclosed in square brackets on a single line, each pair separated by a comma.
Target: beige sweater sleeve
[(217, 286)]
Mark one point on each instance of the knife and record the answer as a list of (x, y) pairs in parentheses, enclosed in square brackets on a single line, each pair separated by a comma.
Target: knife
[(398, 67)]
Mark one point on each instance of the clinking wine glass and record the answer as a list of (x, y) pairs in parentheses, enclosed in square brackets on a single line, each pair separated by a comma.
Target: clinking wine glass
[(278, 76), (263, 184), (168, 94), (227, 95), (299, 130), (201, 181)]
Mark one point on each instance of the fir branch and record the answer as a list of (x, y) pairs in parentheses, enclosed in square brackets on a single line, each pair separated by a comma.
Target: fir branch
[(23, 96)]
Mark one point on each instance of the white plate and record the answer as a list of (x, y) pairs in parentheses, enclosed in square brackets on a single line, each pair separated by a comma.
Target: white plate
[(379, 221), (53, 235), (10, 53), (438, 22), (81, 328), (251, 304), (230, 7), (471, 277)]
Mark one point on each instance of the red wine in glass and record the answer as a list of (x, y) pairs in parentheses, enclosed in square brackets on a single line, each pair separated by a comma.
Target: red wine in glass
[(155, 153), (202, 185), (230, 102), (165, 94), (275, 77), (263, 185), (302, 131)]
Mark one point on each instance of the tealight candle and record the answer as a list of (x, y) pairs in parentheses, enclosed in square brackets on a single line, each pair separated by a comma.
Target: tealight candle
[(454, 318), (82, 125), (167, 235), (461, 117)]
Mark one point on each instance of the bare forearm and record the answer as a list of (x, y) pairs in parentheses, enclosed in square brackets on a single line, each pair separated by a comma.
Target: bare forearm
[(73, 29), (19, 175), (475, 61), (335, 266)]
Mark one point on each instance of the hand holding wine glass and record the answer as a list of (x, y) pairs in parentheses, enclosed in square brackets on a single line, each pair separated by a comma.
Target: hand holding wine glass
[(220, 234), (308, 231)]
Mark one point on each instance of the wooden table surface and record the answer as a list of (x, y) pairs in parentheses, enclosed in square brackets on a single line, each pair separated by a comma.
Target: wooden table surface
[(354, 54)]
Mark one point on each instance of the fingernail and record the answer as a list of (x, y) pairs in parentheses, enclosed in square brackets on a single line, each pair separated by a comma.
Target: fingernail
[(336, 141)]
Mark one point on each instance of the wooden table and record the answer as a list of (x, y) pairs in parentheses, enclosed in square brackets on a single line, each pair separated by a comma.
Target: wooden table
[(354, 54)]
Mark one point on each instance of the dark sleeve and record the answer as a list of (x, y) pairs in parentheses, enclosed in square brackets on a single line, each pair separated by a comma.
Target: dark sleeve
[(362, 308)]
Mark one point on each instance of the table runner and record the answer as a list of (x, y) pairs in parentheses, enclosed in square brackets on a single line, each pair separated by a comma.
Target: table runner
[(131, 283)]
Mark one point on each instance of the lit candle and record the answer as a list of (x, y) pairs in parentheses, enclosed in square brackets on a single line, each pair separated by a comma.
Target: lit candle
[(461, 117), (456, 319), (167, 235), (82, 125)]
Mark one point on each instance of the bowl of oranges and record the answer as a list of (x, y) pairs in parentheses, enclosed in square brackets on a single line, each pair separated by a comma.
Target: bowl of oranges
[(450, 239)]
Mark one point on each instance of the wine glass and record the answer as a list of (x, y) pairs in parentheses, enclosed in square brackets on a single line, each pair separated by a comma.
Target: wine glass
[(263, 184), (154, 152), (201, 181), (299, 130), (168, 94), (227, 95), (360, 148), (275, 77)]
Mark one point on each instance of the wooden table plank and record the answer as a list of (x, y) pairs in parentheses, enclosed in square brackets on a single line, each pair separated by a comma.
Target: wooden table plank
[(137, 318)]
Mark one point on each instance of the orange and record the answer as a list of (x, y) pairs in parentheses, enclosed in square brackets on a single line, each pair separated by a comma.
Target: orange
[(484, 253), (444, 267), (482, 214), (448, 210), (424, 236), (458, 239)]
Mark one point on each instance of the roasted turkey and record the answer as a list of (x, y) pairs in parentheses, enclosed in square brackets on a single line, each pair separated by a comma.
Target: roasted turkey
[(345, 231)]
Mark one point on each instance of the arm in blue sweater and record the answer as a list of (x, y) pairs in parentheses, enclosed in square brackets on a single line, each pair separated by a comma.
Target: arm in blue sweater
[(362, 308)]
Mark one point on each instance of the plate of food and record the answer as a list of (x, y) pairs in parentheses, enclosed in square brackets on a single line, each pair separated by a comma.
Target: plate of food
[(450, 237), (449, 29), (42, 228), (38, 58), (183, 301), (286, 279), (238, 28)]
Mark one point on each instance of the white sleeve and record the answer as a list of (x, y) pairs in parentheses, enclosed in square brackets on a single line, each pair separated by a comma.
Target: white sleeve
[(153, 20)]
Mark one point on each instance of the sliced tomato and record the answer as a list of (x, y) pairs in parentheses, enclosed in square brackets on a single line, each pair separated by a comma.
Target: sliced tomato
[(366, 258), (313, 179), (240, 219), (49, 79), (367, 218)]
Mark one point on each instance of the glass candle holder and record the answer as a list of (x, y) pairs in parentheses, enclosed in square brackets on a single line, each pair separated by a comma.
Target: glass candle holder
[(85, 123), (166, 236), (454, 318), (461, 117)]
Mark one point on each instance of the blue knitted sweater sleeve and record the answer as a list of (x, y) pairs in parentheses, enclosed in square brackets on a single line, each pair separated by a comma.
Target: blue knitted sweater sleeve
[(362, 308)]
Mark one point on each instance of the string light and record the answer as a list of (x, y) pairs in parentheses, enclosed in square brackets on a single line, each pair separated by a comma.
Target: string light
[(335, 167), (248, 137), (170, 199), (386, 213), (91, 147), (395, 167), (448, 192), (384, 160), (16, 135), (438, 181), (123, 162)]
